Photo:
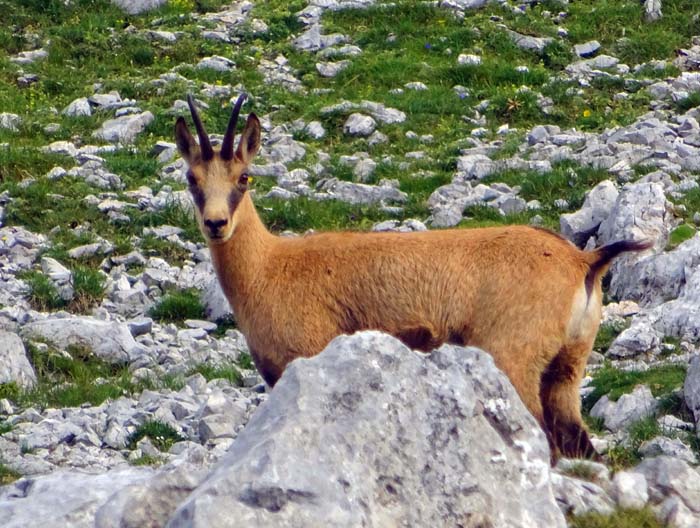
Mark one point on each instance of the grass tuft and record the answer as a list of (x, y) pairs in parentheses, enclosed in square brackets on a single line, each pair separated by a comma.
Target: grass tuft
[(70, 378), (228, 372), (43, 295), (177, 306), (147, 460), (162, 435), (620, 518), (88, 287), (679, 235), (614, 382), (245, 361), (7, 475), (626, 454)]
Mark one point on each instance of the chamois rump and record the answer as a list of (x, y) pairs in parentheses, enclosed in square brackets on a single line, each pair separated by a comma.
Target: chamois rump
[(527, 296)]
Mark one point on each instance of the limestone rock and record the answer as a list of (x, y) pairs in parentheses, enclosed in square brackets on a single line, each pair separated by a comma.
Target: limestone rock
[(10, 121), (576, 497), (630, 490), (331, 69), (108, 340), (670, 477), (395, 438), (124, 129), (78, 107), (359, 125), (134, 7), (62, 498), (149, 502), (529, 43), (652, 10), (217, 63), (581, 225), (673, 447), (360, 193), (587, 49), (691, 388), (14, 365), (629, 408), (641, 212)]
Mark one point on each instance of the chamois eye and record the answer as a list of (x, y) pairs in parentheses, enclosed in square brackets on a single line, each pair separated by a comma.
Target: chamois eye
[(243, 179)]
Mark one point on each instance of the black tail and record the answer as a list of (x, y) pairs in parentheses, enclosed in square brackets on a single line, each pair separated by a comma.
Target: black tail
[(603, 256)]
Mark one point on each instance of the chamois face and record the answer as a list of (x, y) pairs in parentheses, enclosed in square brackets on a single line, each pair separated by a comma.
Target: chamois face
[(218, 179)]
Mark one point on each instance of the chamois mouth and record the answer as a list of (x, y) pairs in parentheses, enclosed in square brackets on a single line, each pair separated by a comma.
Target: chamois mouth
[(217, 239)]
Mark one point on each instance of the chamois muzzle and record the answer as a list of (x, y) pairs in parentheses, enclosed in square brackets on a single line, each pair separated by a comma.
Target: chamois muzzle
[(214, 227)]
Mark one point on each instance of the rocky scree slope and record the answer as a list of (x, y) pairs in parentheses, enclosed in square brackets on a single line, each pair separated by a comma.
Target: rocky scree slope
[(118, 351)]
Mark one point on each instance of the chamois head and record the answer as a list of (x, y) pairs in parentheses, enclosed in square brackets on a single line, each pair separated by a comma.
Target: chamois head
[(217, 179)]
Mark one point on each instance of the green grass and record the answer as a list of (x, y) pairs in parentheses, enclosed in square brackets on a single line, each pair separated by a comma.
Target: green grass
[(88, 285), (691, 101), (7, 475), (245, 361), (173, 253), (176, 306), (680, 234), (70, 379), (302, 214), (9, 390), (88, 44), (223, 325), (147, 460), (620, 518), (581, 470), (227, 372), (614, 382), (626, 454), (43, 295), (162, 435)]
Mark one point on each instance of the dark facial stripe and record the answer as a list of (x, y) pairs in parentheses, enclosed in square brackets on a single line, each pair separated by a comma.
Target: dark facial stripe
[(234, 198), (198, 197)]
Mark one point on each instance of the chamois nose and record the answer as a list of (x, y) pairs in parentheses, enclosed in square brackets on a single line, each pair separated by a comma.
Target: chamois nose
[(215, 225)]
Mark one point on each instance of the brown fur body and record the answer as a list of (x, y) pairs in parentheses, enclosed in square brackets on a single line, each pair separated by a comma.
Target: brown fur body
[(525, 295)]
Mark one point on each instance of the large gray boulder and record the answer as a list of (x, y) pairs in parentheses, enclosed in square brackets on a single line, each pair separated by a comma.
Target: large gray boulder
[(149, 502), (370, 433), (14, 365)]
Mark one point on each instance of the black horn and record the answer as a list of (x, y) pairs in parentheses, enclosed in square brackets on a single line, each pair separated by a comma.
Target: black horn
[(227, 145), (204, 144)]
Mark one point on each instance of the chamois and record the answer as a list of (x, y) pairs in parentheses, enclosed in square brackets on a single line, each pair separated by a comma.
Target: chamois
[(526, 295)]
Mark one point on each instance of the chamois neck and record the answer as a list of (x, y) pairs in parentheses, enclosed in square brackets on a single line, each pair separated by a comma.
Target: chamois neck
[(240, 260)]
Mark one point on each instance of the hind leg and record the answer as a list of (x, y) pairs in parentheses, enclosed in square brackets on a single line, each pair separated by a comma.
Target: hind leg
[(525, 377), (561, 403)]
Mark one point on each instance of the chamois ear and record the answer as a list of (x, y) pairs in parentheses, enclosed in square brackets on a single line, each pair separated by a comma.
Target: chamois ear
[(184, 140), (250, 140)]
